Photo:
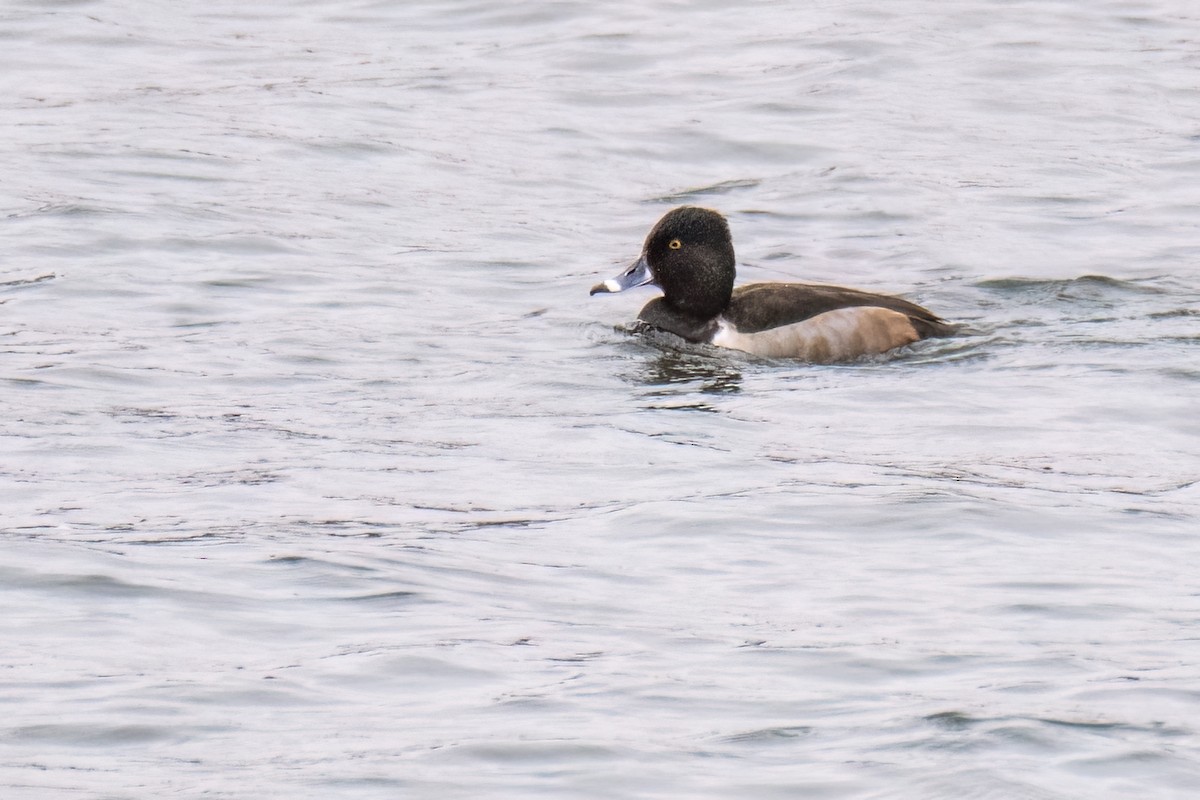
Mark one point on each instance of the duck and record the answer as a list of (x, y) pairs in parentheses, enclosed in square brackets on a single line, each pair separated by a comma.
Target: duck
[(688, 254)]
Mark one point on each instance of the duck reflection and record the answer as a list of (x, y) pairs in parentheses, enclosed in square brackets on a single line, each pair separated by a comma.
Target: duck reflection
[(713, 376), (674, 372)]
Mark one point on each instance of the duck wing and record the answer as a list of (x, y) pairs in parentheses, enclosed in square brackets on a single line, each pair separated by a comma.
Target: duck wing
[(759, 307)]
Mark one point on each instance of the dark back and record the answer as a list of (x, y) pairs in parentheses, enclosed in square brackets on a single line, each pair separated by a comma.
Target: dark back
[(761, 306)]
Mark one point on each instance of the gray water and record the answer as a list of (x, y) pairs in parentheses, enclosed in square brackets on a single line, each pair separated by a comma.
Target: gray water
[(322, 475)]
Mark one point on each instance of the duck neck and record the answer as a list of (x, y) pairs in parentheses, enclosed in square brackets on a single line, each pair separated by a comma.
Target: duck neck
[(706, 294)]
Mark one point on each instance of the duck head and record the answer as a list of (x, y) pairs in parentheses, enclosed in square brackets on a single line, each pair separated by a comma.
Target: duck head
[(689, 255)]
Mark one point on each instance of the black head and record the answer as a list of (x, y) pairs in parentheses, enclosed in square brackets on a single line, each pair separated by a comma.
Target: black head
[(690, 255)]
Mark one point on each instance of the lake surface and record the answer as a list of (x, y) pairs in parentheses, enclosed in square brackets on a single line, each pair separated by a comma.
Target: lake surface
[(324, 477)]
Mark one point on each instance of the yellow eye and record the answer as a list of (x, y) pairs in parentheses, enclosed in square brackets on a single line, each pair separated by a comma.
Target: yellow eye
[(675, 244)]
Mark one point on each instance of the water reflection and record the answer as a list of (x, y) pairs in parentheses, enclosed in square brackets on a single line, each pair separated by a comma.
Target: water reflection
[(670, 370)]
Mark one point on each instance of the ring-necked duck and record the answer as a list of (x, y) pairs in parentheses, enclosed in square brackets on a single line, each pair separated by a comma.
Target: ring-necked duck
[(689, 255)]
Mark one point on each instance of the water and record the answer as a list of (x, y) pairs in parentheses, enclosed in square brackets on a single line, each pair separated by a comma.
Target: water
[(324, 477)]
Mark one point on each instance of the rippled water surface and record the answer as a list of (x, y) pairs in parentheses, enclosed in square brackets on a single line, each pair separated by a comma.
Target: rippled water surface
[(324, 477)]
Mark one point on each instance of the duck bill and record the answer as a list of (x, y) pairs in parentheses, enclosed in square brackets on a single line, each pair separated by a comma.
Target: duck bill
[(637, 274)]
